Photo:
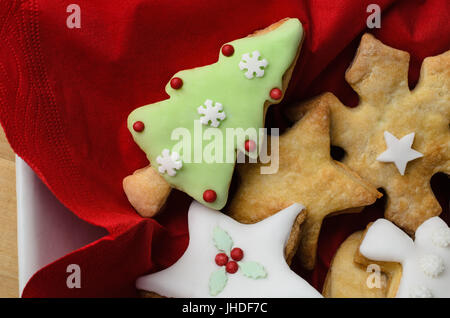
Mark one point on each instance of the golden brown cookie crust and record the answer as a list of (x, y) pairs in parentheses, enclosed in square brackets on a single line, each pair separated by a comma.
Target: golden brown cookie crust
[(307, 175), (379, 74), (291, 244), (348, 279), (146, 190)]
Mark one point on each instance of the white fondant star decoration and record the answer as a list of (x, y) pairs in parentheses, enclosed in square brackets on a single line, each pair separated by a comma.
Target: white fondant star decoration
[(211, 113), (192, 274), (425, 261), (399, 151)]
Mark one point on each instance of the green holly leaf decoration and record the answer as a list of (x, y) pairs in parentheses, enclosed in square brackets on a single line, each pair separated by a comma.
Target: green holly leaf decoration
[(217, 281), (252, 270), (222, 240)]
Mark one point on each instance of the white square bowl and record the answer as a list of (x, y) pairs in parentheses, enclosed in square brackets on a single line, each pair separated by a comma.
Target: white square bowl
[(46, 230)]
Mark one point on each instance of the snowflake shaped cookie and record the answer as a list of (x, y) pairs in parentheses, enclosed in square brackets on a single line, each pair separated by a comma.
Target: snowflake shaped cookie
[(379, 74), (168, 162), (212, 114), (425, 261), (253, 65)]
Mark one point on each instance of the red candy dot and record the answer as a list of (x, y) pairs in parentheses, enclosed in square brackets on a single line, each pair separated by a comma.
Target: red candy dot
[(250, 145), (237, 254), (276, 93), (209, 196), (231, 267), (221, 259), (138, 126), (227, 50), (176, 83)]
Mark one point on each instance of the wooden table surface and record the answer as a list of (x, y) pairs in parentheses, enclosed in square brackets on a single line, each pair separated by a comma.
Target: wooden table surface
[(9, 282)]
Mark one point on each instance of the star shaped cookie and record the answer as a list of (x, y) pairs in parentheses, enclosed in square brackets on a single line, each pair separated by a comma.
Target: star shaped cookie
[(228, 259), (306, 174), (379, 74)]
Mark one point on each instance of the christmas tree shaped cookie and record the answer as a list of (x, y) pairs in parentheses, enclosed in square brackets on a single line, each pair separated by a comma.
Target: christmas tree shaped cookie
[(233, 93), (395, 138)]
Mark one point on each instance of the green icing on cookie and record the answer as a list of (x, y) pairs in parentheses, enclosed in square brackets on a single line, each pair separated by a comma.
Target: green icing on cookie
[(242, 101)]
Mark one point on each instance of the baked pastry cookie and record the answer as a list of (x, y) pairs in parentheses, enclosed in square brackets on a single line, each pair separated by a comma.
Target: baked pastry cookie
[(425, 262), (185, 137), (306, 174), (229, 259), (352, 276), (146, 190), (395, 138)]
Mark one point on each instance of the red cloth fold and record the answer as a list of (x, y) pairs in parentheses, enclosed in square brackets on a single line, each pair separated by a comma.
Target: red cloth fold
[(65, 95)]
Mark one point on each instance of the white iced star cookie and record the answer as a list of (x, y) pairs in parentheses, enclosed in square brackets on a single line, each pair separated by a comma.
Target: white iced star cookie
[(425, 261), (399, 151), (258, 266)]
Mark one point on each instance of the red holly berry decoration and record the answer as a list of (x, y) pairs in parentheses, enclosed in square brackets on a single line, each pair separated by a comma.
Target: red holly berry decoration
[(138, 126), (209, 196), (231, 267), (221, 259), (250, 146), (227, 50), (237, 254), (276, 93), (176, 83)]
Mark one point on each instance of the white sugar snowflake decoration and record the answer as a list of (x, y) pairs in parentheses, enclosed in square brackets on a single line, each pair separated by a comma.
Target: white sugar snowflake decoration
[(211, 113), (420, 292), (432, 265), (441, 237), (253, 65), (169, 163)]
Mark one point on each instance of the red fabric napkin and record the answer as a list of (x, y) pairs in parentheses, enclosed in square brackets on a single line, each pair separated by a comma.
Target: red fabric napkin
[(65, 95)]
